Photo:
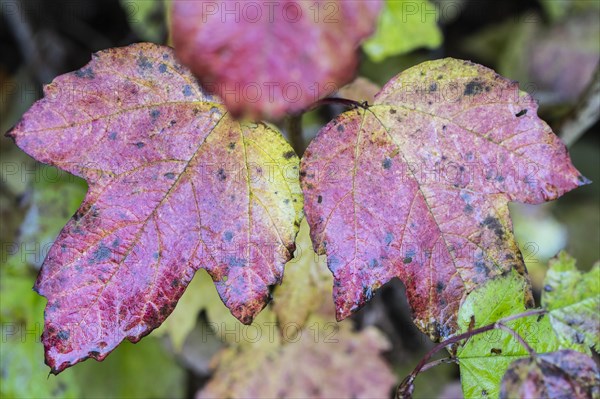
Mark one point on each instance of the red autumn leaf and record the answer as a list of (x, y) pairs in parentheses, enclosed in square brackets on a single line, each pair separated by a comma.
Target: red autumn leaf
[(268, 58), (175, 184), (562, 374), (417, 187)]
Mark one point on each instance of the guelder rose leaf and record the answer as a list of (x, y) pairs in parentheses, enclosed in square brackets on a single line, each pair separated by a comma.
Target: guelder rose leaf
[(562, 374), (175, 184), (485, 357), (572, 299), (417, 187), (268, 58)]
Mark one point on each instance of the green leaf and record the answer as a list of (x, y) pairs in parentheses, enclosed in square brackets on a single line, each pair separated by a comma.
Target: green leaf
[(404, 26), (147, 18), (573, 301), (485, 357)]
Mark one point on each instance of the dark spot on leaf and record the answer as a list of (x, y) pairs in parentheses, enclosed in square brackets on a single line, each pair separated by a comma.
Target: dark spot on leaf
[(496, 351), (472, 88), (393, 111), (228, 236), (116, 243), (63, 335), (439, 287), (221, 174), (481, 267), (319, 199), (94, 354), (100, 254), (407, 260), (521, 113), (373, 263), (139, 144), (288, 154), (468, 209), (389, 237), (143, 62), (340, 128), (170, 175), (237, 262), (433, 87), (154, 114), (87, 73), (387, 163), (579, 338), (162, 68), (175, 283), (231, 145), (548, 288), (164, 310), (440, 77), (492, 223), (500, 179), (187, 90), (367, 292), (112, 135)]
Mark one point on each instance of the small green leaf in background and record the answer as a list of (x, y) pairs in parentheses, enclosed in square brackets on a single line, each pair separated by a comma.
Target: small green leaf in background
[(143, 370), (54, 198), (562, 374), (147, 18), (404, 26), (485, 357), (573, 301), (558, 9)]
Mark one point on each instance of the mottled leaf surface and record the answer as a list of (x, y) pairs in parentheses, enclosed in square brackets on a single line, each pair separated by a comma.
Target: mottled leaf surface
[(562, 374), (417, 187), (572, 299), (175, 184), (484, 358), (270, 58)]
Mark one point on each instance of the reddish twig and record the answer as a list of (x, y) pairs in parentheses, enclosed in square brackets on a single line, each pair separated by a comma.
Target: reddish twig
[(406, 388)]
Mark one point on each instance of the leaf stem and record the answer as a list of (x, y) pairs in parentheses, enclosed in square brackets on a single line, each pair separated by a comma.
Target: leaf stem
[(342, 101), (406, 388)]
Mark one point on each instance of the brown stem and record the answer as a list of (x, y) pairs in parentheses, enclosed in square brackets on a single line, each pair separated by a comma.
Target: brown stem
[(407, 386)]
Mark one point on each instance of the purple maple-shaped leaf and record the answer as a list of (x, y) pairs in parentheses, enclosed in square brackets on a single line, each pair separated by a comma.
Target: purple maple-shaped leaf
[(417, 187), (175, 184), (269, 58)]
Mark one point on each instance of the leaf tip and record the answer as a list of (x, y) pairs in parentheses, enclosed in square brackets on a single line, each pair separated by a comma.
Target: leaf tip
[(583, 181)]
